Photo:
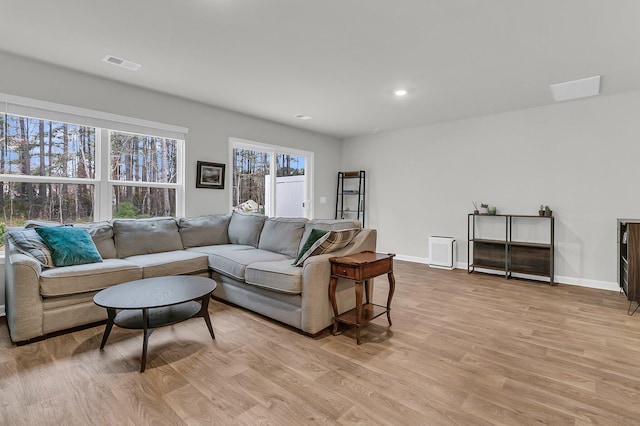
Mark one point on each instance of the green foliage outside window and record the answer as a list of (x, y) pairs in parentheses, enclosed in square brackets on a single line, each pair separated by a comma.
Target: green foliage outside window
[(126, 210)]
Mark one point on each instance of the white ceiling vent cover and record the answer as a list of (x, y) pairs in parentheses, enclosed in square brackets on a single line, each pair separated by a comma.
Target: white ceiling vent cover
[(122, 63), (576, 89)]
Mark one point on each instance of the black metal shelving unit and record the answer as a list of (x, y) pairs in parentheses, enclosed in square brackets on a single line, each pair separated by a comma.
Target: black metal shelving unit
[(509, 255), (350, 196)]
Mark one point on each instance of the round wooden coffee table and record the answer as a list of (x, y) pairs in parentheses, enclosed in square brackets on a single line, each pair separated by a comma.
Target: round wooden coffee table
[(155, 302)]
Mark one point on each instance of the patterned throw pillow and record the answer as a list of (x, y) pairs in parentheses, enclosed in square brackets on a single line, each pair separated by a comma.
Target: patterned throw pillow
[(69, 246), (27, 241), (330, 242), (314, 236)]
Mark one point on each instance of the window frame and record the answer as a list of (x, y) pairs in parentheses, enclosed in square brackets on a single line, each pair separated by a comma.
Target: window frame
[(104, 123), (273, 150)]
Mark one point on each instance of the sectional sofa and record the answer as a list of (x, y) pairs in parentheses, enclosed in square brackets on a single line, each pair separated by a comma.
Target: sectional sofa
[(250, 256)]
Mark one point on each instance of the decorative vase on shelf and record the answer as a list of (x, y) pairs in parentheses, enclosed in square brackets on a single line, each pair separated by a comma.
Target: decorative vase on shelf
[(492, 210)]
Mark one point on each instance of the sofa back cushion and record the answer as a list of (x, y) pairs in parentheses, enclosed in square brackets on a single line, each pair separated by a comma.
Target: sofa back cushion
[(245, 228), (145, 236), (327, 225), (282, 235), (102, 236), (204, 230)]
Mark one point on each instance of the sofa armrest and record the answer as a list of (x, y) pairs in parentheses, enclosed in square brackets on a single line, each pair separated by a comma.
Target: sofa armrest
[(317, 313), (22, 293)]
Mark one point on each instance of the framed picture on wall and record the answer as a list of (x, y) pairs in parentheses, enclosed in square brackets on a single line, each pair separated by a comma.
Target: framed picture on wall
[(210, 175)]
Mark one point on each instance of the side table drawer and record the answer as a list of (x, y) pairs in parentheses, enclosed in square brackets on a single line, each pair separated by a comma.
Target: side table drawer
[(345, 271)]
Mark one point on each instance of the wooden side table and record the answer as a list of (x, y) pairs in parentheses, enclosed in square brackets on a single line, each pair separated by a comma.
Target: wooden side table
[(361, 268)]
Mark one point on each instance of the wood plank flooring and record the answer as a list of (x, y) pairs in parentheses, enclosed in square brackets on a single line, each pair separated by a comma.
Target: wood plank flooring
[(463, 350)]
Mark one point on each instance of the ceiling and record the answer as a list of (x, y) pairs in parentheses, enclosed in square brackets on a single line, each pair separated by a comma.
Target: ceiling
[(339, 60)]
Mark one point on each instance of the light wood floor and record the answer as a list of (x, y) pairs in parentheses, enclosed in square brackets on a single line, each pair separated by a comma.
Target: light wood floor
[(463, 349)]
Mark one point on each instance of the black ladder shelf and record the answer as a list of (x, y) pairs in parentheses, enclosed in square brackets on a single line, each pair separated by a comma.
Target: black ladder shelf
[(350, 196)]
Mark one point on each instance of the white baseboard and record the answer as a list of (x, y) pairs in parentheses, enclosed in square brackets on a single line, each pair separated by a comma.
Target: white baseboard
[(580, 282), (413, 259), (583, 282)]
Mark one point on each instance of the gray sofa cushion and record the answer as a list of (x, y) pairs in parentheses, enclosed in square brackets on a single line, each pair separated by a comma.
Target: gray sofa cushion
[(245, 228), (74, 279), (282, 235), (278, 276), (326, 225), (146, 236), (102, 235), (204, 230), (38, 223), (180, 262), (232, 260)]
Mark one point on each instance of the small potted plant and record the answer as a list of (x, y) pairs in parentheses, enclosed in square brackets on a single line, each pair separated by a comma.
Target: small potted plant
[(541, 211), (547, 211), (484, 208)]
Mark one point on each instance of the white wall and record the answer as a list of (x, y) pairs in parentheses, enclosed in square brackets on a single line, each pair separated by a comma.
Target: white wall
[(209, 128), (579, 157)]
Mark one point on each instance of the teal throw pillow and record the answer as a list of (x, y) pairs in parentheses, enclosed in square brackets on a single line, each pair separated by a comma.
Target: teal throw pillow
[(69, 246), (314, 236)]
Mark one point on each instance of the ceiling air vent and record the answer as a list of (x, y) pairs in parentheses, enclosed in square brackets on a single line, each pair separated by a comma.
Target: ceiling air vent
[(122, 63), (302, 117)]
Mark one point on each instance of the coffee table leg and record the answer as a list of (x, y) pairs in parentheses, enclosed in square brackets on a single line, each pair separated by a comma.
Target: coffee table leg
[(145, 343), (111, 313), (204, 312)]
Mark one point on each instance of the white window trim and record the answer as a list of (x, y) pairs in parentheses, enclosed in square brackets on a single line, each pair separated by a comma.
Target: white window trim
[(247, 144), (18, 105)]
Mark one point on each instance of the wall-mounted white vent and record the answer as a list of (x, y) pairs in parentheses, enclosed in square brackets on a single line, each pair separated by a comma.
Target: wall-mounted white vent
[(442, 252), (122, 63)]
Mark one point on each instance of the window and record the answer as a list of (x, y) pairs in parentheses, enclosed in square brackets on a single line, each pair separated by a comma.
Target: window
[(146, 171), (254, 187), (48, 170), (53, 169)]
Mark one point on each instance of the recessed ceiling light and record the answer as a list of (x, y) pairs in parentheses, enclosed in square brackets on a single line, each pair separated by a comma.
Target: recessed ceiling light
[(400, 92), (122, 63), (576, 89), (302, 117)]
